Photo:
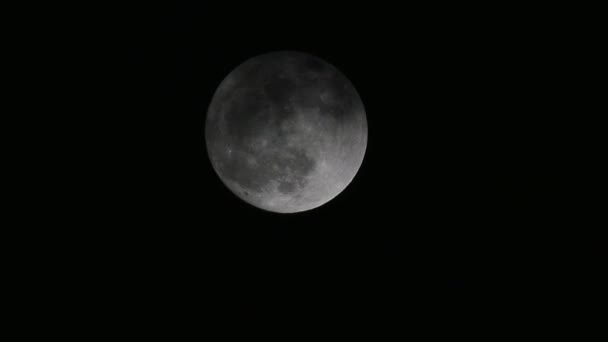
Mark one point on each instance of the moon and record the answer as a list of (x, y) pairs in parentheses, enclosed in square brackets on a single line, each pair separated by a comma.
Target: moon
[(286, 131)]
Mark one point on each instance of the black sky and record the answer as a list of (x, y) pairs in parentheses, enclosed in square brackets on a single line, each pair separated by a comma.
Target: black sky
[(446, 220)]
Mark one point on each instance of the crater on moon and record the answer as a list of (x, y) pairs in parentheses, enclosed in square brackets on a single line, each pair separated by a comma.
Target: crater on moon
[(286, 131)]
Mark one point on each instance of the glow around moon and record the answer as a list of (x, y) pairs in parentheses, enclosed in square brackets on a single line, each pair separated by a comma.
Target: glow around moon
[(286, 132)]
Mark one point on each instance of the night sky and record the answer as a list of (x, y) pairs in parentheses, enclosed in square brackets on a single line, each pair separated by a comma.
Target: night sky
[(445, 222)]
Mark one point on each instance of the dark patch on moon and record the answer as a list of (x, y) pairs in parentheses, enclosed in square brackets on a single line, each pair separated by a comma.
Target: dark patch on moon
[(286, 187), (278, 90), (246, 114)]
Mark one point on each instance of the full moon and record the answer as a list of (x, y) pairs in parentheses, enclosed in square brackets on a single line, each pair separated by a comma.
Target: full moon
[(286, 132)]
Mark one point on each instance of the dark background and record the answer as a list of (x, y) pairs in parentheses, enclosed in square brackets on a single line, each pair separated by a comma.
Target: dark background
[(450, 219)]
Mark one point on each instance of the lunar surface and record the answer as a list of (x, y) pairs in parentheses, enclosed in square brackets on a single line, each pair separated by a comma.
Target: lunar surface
[(286, 132)]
